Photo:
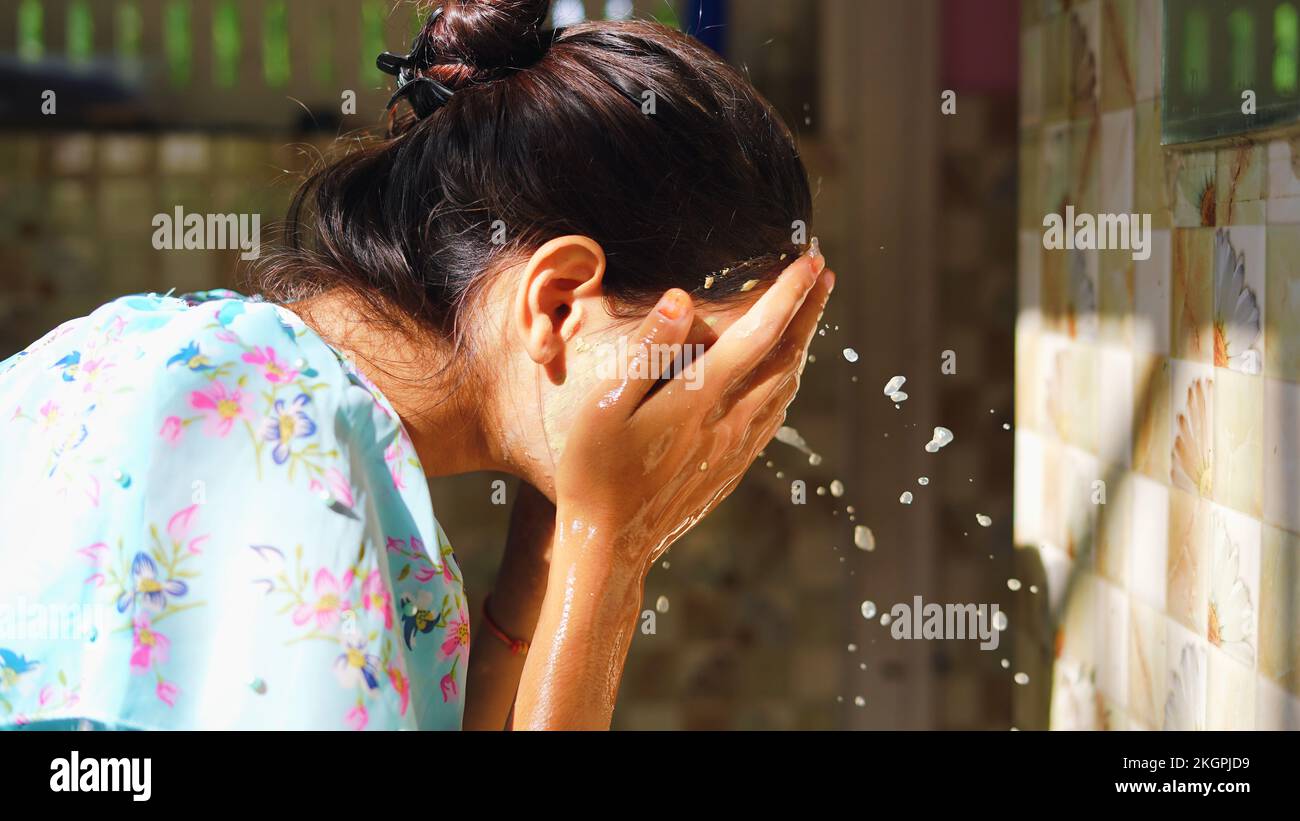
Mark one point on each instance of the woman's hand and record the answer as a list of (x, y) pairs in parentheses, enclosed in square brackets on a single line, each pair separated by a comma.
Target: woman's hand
[(640, 469), (645, 468)]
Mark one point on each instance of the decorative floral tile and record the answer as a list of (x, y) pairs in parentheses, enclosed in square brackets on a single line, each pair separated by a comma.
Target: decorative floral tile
[(1155, 170), (1230, 693), (1282, 454), (1115, 529), (1191, 315), (1084, 41), (1239, 298), (1152, 416), (1192, 428), (1149, 549), (1147, 664), (1117, 278), (1115, 407), (1152, 297), (1187, 568), (1118, 144), (1150, 33), (1185, 680), (1118, 67), (1239, 441), (1195, 194), (1029, 491), (1282, 329), (1239, 185), (1279, 607), (1233, 599)]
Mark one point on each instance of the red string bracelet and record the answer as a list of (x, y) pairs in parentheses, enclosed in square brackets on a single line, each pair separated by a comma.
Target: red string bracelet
[(517, 646)]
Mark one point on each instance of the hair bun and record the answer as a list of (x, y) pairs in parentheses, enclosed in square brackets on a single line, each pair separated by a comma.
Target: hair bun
[(481, 39)]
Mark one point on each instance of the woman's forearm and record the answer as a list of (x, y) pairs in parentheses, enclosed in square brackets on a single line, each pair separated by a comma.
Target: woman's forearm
[(588, 617), (515, 605)]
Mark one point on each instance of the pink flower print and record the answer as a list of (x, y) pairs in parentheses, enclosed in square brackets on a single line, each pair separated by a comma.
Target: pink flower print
[(393, 456), (329, 602), (457, 641), (90, 371), (167, 692), (220, 407), (147, 647), (49, 414), (180, 525), (275, 371), (449, 688), (336, 485), (401, 685), (172, 429), (357, 718), (375, 597)]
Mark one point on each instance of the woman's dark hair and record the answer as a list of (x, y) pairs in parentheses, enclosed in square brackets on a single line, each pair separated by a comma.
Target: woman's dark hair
[(630, 133)]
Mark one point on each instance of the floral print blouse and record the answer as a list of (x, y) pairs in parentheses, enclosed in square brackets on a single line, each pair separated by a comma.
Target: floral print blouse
[(209, 519)]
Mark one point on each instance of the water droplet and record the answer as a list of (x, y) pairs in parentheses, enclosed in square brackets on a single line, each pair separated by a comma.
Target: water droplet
[(837, 488), (849, 509), (661, 604), (868, 610), (1006, 664), (667, 564), (850, 354), (923, 481), (984, 521), (942, 436), (1013, 584), (821, 491), (121, 478), (258, 686), (748, 286), (1006, 426), (859, 701), (814, 459), (864, 538), (1022, 678), (900, 396), (704, 466), (853, 648), (1033, 588), (885, 619), (999, 620), (894, 385), (906, 498)]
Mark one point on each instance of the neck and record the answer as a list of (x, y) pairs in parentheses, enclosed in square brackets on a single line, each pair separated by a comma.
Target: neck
[(454, 426)]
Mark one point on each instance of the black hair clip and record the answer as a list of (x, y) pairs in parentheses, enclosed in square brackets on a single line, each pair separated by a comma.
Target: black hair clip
[(425, 94)]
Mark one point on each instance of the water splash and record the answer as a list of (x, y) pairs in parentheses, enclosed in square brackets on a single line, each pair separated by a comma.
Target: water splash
[(661, 604), (1013, 584), (850, 354), (942, 437), (837, 488), (894, 385), (906, 498), (863, 538), (984, 521), (868, 610)]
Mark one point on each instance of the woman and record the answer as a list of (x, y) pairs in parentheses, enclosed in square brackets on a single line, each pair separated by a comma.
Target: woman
[(215, 507)]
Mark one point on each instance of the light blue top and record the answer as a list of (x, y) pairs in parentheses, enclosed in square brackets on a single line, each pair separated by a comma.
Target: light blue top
[(209, 519)]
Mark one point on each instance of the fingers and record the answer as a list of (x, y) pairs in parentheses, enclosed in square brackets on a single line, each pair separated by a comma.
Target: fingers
[(749, 340), (776, 379), (648, 352)]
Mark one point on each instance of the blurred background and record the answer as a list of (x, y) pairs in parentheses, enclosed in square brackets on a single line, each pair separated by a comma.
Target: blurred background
[(927, 211)]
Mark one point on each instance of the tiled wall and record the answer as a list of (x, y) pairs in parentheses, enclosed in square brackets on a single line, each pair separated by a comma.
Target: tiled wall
[(1174, 381)]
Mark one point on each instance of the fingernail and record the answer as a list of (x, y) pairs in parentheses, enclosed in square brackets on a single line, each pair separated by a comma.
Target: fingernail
[(673, 304), (815, 248)]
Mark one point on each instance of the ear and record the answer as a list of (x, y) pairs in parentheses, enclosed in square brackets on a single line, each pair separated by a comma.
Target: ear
[(560, 284)]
